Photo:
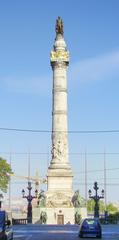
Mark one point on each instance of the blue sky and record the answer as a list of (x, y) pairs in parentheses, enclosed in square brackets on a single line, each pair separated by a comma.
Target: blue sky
[(27, 30)]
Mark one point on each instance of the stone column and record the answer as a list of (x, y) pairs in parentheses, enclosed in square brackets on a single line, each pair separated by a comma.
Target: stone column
[(59, 63), (59, 171)]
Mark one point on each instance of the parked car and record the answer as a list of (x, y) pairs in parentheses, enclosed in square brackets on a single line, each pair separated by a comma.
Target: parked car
[(6, 230), (90, 227)]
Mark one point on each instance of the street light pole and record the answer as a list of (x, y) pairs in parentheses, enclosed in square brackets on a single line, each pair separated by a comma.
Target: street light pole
[(96, 199), (29, 198)]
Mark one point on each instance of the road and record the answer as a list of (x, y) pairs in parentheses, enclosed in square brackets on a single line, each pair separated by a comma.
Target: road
[(55, 232)]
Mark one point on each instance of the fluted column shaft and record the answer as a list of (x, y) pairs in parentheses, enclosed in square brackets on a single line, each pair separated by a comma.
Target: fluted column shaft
[(59, 115)]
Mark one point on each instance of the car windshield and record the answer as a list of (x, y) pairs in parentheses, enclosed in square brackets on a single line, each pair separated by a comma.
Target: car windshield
[(91, 222)]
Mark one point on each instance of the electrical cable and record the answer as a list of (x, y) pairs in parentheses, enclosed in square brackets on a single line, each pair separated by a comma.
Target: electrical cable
[(49, 131)]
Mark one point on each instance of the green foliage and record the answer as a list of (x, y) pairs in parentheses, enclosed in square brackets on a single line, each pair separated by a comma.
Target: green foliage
[(91, 204), (101, 206), (111, 208), (5, 170)]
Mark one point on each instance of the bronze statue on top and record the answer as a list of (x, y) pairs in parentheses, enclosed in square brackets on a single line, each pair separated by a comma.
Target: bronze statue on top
[(59, 26)]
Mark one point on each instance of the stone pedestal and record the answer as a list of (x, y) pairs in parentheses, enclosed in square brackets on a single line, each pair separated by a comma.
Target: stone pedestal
[(55, 215), (60, 179)]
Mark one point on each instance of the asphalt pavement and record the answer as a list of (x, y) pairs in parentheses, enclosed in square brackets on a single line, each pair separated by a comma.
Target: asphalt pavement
[(59, 232)]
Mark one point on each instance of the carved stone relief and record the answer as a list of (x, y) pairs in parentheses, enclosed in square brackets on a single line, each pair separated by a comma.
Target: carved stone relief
[(59, 199)]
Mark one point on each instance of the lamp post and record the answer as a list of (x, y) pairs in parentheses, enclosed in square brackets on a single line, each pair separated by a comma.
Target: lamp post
[(1, 198), (29, 198), (96, 199)]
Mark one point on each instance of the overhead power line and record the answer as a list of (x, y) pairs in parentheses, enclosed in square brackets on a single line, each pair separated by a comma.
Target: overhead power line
[(70, 131), (70, 153), (97, 170), (25, 130), (91, 183)]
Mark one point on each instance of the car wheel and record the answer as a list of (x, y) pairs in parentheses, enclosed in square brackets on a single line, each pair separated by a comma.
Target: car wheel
[(99, 236), (81, 235)]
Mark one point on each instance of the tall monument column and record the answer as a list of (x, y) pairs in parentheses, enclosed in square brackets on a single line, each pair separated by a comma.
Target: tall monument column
[(59, 176), (59, 62)]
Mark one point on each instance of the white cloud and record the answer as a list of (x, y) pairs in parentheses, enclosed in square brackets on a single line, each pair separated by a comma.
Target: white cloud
[(37, 85), (103, 67), (99, 68)]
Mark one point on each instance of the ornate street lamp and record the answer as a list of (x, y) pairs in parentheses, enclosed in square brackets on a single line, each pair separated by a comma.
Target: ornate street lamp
[(1, 198), (29, 198), (96, 198)]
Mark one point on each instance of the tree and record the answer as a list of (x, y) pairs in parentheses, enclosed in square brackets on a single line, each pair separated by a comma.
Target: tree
[(91, 204), (5, 171), (111, 208)]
